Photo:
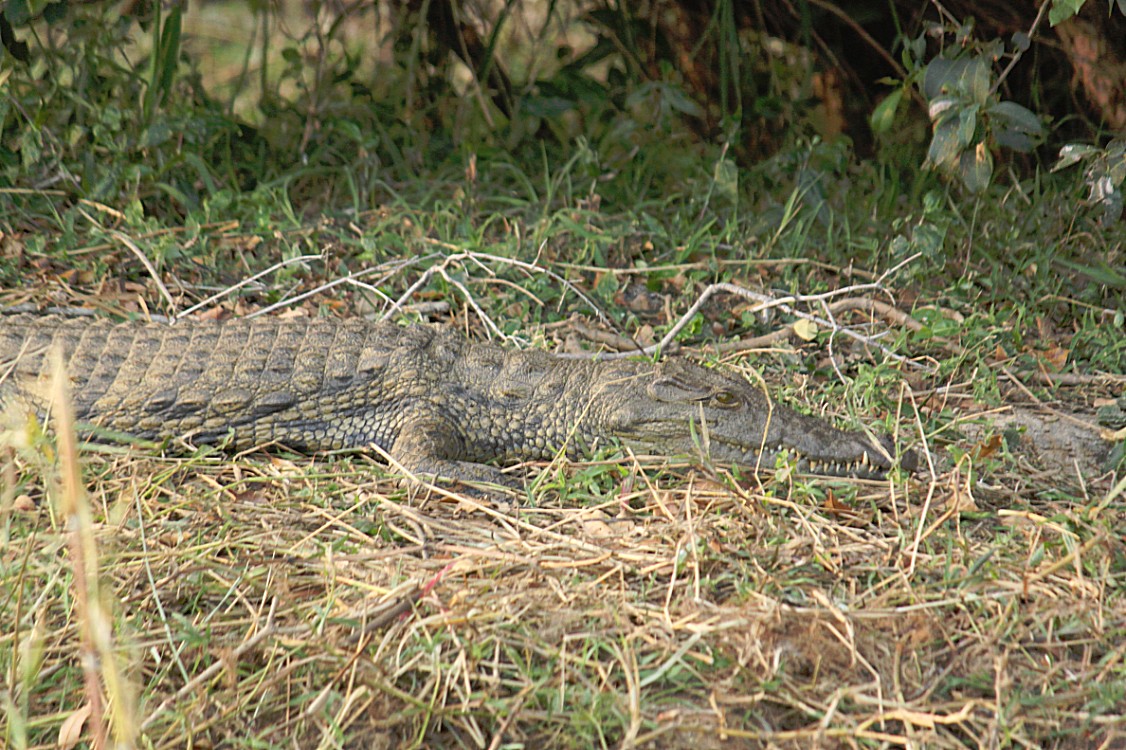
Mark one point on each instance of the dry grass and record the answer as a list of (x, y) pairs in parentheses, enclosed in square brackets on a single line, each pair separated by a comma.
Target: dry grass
[(268, 601), (204, 600), (207, 600)]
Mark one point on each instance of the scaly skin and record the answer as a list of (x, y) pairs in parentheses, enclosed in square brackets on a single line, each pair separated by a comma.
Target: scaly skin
[(437, 403)]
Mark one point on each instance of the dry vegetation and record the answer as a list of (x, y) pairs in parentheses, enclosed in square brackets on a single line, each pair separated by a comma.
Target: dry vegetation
[(164, 596), (195, 598)]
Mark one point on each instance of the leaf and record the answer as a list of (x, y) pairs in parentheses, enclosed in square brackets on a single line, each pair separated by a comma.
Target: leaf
[(726, 176), (56, 12), (979, 80), (962, 501), (1073, 153), (70, 732), (967, 125), (806, 330), (17, 49), (835, 507), (883, 116), (1014, 140), (935, 77), (928, 239), (1102, 190), (993, 50), (170, 49), (969, 77), (1055, 358), (945, 147), (17, 12), (964, 32), (1062, 10), (683, 103), (914, 50), (31, 647), (940, 107), (1015, 127), (1017, 117), (545, 106), (1100, 274), (987, 448), (976, 168), (1116, 161)]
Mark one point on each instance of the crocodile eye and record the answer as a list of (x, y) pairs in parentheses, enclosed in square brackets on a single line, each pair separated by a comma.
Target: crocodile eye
[(727, 398)]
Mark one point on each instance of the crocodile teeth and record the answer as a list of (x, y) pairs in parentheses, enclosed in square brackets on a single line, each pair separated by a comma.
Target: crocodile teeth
[(864, 459)]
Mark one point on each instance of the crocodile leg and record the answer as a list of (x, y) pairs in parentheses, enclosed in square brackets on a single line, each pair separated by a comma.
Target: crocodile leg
[(430, 448)]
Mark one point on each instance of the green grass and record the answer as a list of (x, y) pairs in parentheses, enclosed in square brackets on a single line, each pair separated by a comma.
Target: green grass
[(622, 603)]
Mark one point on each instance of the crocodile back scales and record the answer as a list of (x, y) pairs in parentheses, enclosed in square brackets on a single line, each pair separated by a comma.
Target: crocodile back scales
[(435, 401), (309, 384)]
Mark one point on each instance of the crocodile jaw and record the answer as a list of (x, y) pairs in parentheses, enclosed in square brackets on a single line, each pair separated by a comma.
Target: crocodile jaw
[(855, 458), (684, 409)]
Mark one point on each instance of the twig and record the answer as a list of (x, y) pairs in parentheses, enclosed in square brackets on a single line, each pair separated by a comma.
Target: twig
[(512, 523), (513, 711), (852, 303), (124, 240), (818, 320), (755, 342), (531, 268), (175, 649), (218, 666), (440, 270), (1032, 397), (391, 268), (672, 661), (711, 183), (387, 611), (766, 301), (883, 309), (484, 316), (645, 351), (832, 337), (234, 288), (1072, 378), (1020, 52), (859, 30), (609, 339), (95, 629)]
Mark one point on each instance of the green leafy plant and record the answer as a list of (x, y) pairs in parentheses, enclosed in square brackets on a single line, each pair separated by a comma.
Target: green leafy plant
[(1104, 174), (969, 119), (97, 110)]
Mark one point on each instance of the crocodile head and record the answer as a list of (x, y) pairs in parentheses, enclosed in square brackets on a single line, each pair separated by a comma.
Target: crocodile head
[(732, 422)]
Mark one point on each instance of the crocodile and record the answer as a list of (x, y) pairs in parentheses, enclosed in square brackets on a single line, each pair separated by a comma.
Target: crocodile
[(427, 397)]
